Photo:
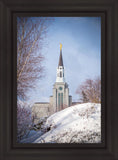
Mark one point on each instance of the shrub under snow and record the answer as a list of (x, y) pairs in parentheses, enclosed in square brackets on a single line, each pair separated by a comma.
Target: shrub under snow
[(24, 120), (77, 124)]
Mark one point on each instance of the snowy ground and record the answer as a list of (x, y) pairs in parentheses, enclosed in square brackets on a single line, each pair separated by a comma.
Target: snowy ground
[(77, 124), (33, 135)]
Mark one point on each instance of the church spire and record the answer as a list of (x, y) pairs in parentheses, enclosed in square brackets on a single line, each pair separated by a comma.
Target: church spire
[(60, 58), (60, 70)]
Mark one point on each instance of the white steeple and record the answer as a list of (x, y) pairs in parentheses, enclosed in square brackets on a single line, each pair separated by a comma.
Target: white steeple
[(60, 70)]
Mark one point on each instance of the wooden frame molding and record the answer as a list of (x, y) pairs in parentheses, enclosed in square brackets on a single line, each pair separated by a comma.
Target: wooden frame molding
[(108, 11)]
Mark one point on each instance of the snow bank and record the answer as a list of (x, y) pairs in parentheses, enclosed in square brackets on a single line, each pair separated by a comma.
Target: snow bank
[(77, 124)]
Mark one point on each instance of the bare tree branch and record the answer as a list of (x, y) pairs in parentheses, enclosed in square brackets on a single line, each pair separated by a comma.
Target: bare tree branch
[(90, 90), (31, 33)]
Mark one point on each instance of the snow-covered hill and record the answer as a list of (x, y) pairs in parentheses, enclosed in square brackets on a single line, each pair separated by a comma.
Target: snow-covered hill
[(77, 124)]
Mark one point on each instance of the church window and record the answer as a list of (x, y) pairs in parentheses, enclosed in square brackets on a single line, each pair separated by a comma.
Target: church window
[(62, 99), (59, 100), (60, 74)]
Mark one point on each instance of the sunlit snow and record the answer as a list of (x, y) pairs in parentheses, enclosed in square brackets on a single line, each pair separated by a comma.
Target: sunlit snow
[(76, 124)]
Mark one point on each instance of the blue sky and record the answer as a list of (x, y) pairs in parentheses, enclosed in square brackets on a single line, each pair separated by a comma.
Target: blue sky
[(81, 50)]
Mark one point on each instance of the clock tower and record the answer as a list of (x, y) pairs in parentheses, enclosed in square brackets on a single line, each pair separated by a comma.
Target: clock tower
[(60, 98)]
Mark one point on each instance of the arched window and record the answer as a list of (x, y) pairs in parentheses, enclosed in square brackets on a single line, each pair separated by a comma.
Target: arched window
[(60, 101), (60, 74)]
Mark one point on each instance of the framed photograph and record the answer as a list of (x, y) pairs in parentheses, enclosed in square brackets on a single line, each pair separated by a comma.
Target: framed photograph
[(60, 118), (59, 80)]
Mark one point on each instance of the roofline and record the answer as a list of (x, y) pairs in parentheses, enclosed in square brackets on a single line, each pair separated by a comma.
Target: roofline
[(41, 103)]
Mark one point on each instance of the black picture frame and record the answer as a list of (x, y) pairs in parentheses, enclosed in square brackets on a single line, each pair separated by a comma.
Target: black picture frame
[(108, 10)]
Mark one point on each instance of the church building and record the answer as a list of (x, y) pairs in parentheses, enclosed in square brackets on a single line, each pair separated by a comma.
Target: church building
[(60, 98)]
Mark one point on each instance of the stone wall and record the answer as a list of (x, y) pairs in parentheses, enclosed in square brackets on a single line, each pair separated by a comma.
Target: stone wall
[(41, 110)]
